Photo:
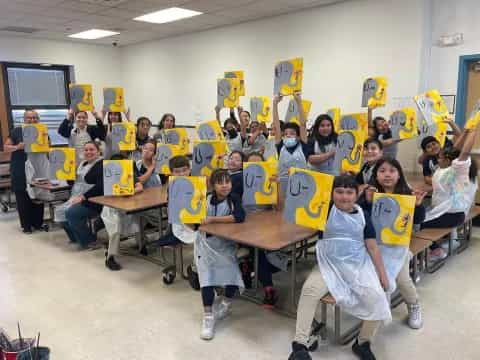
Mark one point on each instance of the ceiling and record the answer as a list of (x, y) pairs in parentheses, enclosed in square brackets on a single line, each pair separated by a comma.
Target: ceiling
[(55, 19)]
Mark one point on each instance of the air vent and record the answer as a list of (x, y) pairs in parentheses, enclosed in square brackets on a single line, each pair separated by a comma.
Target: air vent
[(19, 29), (104, 2)]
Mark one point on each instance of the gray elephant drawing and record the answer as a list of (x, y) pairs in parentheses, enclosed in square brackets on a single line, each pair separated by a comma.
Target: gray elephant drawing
[(172, 137), (206, 132), (224, 87), (385, 212), (112, 177), (292, 111), (282, 75), (180, 195), (300, 191), (119, 134), (77, 95), (398, 122), (426, 130), (370, 87), (348, 123), (346, 144), (163, 157), (254, 177), (109, 97), (30, 137), (256, 108), (56, 161), (203, 154)]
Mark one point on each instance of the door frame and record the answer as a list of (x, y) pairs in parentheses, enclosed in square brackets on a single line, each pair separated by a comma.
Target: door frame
[(462, 85)]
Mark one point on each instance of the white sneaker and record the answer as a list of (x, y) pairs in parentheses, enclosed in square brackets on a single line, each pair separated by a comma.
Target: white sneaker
[(222, 309), (415, 318), (208, 327)]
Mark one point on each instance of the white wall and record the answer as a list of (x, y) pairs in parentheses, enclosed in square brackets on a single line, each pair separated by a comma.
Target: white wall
[(94, 64)]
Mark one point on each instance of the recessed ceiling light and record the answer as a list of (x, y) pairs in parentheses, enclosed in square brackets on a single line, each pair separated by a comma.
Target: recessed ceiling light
[(167, 15), (93, 34)]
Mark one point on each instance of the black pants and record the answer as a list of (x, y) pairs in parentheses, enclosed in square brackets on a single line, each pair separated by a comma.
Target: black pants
[(30, 214), (208, 293), (265, 269), (447, 220)]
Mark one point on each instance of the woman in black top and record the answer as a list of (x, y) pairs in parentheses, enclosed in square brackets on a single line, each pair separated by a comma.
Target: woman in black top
[(29, 213)]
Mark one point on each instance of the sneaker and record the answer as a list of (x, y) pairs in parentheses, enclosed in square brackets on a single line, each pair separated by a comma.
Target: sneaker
[(415, 318), (222, 309), (455, 245), (95, 245), (315, 337), (112, 264), (437, 255), (299, 352), (208, 327), (27, 231), (363, 351), (270, 298)]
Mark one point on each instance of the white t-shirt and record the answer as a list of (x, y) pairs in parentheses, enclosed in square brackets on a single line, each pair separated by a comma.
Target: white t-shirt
[(453, 191)]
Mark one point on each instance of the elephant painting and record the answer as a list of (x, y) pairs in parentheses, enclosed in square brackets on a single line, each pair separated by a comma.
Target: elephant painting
[(109, 99), (254, 178), (256, 108), (292, 111), (180, 195), (120, 134), (385, 212), (57, 160), (398, 122), (206, 132), (113, 183), (346, 144), (172, 137), (164, 153), (348, 123), (300, 192), (30, 137), (370, 88), (203, 155), (283, 75), (78, 98), (224, 88)]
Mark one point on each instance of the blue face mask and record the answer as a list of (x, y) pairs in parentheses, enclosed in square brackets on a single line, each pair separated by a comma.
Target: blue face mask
[(290, 142)]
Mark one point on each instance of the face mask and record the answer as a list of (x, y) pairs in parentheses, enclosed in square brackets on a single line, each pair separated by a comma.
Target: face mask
[(232, 133), (290, 142)]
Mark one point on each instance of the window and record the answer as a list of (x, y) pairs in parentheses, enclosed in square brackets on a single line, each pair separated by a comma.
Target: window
[(44, 88)]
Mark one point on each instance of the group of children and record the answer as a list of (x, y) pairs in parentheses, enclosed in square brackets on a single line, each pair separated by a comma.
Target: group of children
[(353, 265)]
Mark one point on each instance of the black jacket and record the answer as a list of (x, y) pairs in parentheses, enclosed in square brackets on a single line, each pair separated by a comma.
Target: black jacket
[(95, 131)]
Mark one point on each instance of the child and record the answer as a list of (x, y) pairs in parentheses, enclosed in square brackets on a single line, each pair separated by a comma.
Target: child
[(77, 211), (235, 169), (145, 167), (384, 135), (349, 261), (117, 224), (112, 118), (215, 258), (454, 189), (387, 177), (179, 166), (255, 140), (167, 122), (232, 136), (372, 152), (143, 128), (78, 132), (291, 144), (323, 141)]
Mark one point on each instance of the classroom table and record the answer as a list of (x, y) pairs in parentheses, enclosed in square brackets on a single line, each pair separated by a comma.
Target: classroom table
[(60, 193), (268, 231)]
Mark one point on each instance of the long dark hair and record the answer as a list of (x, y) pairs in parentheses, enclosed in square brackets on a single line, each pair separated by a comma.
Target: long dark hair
[(401, 187), (451, 154), (162, 120), (323, 140)]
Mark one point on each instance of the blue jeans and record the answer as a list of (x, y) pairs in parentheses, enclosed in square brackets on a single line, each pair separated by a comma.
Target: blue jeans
[(76, 225)]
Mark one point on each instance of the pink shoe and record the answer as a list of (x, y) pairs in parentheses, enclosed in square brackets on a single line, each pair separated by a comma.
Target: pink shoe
[(437, 254)]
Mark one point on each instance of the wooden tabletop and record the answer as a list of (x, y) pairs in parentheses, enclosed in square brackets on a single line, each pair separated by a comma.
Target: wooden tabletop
[(50, 187), (265, 230), (150, 198)]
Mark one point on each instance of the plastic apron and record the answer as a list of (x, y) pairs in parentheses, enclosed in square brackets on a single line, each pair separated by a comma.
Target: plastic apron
[(79, 188), (286, 161), (234, 144), (348, 269), (452, 190), (326, 167), (37, 166), (215, 257)]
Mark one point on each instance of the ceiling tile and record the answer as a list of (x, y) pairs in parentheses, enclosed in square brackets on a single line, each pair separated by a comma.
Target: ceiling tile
[(215, 5), (83, 7)]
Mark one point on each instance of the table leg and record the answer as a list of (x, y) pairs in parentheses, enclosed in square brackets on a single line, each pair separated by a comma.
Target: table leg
[(140, 235), (293, 279), (255, 268)]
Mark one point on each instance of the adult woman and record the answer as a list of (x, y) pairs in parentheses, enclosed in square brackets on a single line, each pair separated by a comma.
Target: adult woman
[(143, 128), (167, 122)]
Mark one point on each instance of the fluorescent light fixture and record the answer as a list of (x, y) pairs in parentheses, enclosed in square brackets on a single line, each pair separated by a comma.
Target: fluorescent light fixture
[(167, 15), (93, 34)]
